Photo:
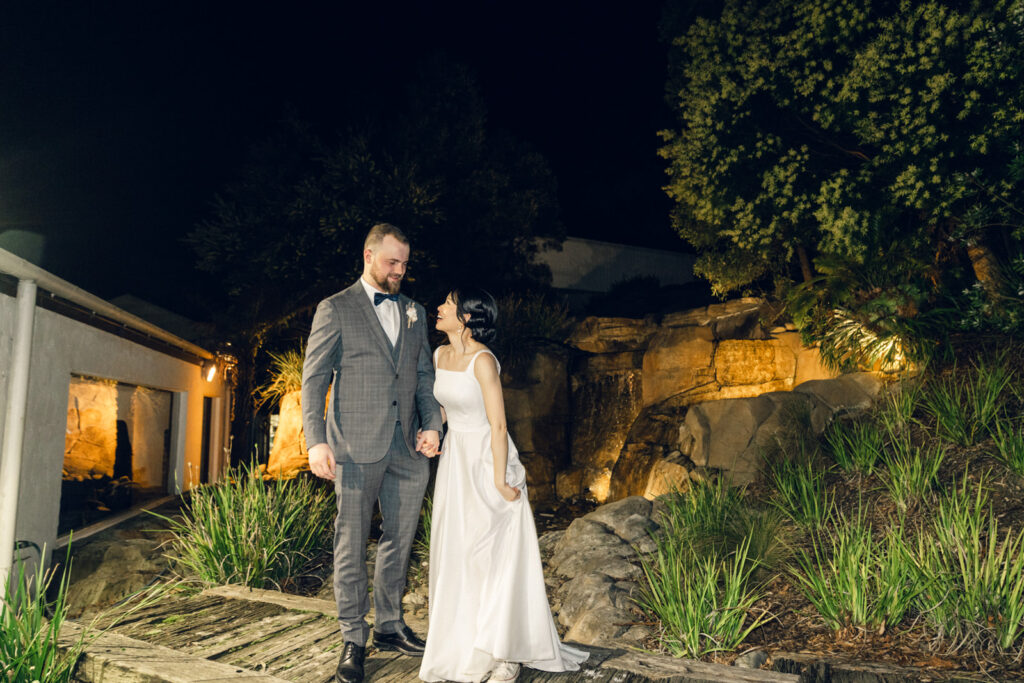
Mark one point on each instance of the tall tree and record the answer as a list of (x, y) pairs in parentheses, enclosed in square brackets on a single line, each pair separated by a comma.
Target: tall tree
[(839, 129)]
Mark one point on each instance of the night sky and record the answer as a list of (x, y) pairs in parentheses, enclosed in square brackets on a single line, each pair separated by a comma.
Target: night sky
[(120, 120)]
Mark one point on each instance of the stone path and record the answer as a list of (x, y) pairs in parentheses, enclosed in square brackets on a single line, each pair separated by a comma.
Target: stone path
[(237, 634)]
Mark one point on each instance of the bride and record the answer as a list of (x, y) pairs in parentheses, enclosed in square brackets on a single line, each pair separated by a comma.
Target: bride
[(489, 612)]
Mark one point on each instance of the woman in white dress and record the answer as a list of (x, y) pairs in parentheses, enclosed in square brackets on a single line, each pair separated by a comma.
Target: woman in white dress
[(489, 611)]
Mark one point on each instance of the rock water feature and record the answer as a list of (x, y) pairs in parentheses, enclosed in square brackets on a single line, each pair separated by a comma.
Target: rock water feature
[(634, 381)]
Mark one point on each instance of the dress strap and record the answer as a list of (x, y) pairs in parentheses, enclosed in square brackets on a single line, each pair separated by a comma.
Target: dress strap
[(472, 361), (435, 356)]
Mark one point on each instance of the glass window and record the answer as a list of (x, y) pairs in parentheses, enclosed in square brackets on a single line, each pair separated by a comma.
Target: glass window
[(116, 449)]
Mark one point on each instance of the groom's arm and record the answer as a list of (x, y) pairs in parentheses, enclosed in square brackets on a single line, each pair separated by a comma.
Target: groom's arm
[(426, 405), (323, 350)]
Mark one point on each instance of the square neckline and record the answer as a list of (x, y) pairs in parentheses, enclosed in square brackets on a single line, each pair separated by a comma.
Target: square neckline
[(472, 361)]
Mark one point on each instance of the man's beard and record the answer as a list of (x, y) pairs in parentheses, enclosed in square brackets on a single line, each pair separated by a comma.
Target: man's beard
[(384, 284)]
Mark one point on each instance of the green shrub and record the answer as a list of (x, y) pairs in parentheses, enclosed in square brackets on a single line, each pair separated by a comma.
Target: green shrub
[(703, 602), (247, 530), (855, 580), (974, 576), (30, 626)]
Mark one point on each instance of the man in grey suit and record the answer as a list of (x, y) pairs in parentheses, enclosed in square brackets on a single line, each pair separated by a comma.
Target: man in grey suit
[(368, 345)]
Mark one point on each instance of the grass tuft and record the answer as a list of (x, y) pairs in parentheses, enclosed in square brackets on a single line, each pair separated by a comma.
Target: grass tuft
[(855, 580), (974, 575), (855, 446), (704, 603), (1009, 440), (801, 493), (911, 472), (30, 626), (247, 530), (966, 408)]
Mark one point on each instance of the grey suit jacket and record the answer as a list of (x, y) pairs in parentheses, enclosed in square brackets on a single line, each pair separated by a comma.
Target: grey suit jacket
[(372, 385)]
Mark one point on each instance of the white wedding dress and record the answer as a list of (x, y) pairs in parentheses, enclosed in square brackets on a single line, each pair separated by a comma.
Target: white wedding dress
[(487, 596)]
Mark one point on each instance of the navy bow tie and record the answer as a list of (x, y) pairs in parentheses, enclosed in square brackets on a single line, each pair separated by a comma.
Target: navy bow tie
[(378, 297)]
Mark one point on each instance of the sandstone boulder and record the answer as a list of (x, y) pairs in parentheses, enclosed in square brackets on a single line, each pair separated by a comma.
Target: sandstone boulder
[(847, 393), (678, 359), (288, 455), (722, 430), (609, 335)]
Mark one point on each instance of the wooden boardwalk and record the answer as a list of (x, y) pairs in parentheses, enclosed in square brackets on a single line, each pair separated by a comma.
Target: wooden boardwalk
[(271, 636)]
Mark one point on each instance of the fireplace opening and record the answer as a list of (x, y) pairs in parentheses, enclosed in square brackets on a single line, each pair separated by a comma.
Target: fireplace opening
[(116, 449)]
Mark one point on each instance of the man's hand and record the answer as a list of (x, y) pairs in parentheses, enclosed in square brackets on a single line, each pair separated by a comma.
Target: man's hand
[(321, 461), (428, 442)]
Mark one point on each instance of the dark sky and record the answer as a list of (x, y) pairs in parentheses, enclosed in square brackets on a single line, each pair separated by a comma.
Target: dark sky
[(120, 120)]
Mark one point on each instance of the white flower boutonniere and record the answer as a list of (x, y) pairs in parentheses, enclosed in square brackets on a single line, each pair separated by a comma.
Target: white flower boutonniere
[(410, 315)]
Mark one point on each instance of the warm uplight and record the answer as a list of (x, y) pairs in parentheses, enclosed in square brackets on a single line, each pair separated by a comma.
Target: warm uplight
[(209, 370)]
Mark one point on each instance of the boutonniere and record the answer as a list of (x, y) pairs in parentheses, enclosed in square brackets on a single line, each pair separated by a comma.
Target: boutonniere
[(410, 315)]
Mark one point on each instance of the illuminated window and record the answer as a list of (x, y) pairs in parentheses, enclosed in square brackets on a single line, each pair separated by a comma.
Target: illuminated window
[(116, 449)]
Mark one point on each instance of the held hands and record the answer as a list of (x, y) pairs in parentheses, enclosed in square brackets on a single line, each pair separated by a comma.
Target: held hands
[(509, 493), (321, 461), (428, 442)]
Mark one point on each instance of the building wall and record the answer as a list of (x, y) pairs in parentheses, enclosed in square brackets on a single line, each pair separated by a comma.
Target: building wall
[(594, 266), (62, 347)]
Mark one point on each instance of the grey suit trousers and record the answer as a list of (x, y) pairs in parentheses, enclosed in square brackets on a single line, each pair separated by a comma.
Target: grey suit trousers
[(396, 477)]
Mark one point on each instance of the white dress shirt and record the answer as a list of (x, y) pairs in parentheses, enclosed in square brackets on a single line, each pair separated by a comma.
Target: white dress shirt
[(387, 312)]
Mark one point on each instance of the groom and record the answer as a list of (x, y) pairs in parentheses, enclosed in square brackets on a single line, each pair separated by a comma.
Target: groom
[(368, 345)]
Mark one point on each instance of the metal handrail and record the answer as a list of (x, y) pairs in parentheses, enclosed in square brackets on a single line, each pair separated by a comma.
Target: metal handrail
[(23, 270)]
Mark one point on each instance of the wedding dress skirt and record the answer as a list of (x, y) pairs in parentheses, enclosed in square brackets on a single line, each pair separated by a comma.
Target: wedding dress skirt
[(487, 595)]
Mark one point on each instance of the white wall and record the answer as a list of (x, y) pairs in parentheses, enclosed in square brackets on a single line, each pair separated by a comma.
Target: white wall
[(62, 347)]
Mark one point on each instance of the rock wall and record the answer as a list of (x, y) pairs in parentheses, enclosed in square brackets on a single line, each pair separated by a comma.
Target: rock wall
[(635, 380)]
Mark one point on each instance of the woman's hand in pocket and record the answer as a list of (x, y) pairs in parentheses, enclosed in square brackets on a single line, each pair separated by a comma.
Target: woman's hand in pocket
[(509, 493)]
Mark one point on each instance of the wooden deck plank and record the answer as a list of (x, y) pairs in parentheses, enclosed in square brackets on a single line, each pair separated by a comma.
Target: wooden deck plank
[(284, 643), (112, 658), (235, 645)]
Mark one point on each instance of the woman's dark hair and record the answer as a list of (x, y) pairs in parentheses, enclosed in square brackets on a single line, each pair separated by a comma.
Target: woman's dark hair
[(478, 310)]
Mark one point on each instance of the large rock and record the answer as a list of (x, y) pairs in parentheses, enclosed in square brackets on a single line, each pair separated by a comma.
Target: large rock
[(601, 626), (582, 594), (288, 455), (745, 362), (668, 475), (104, 572), (852, 392), (609, 335), (722, 430), (654, 432), (678, 359)]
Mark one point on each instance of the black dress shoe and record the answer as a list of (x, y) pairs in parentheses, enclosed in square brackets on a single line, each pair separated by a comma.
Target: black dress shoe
[(350, 666), (403, 640)]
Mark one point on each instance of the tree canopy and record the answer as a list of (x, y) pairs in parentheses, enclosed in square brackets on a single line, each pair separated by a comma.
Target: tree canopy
[(822, 130)]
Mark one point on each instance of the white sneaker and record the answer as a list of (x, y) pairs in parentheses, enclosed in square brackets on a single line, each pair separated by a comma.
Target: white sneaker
[(504, 672)]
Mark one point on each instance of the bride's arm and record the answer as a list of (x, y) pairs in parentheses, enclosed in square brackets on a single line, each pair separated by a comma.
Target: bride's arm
[(486, 371)]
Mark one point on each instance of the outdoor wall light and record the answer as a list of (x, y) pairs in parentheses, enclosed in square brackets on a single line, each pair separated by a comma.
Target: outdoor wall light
[(209, 369)]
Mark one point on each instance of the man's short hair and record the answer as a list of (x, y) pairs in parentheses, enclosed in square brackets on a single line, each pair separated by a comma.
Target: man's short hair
[(379, 232)]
